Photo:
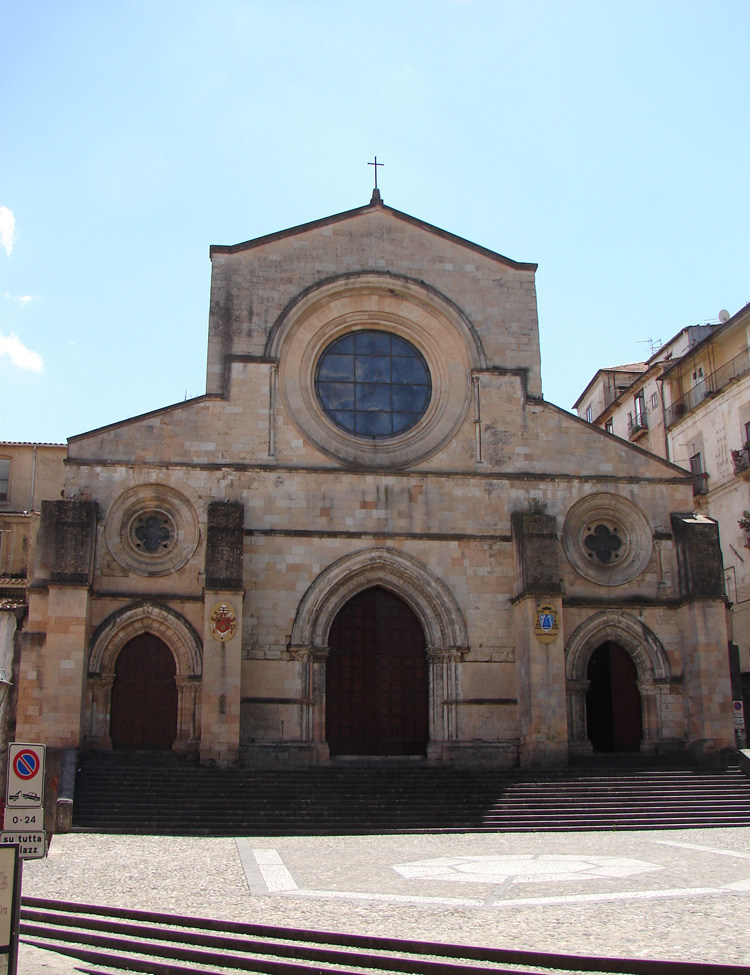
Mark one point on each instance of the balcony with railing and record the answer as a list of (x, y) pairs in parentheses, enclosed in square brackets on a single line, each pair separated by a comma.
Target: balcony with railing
[(700, 484), (637, 424), (741, 460), (708, 386)]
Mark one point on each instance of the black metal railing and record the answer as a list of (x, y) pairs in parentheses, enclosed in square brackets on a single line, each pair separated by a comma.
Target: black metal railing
[(708, 386), (741, 459), (637, 423), (700, 484)]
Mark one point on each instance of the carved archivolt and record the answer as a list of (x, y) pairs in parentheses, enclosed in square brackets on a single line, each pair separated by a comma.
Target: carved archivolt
[(122, 626), (407, 577), (617, 626)]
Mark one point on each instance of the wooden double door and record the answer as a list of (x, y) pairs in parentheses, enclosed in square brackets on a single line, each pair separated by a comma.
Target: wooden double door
[(613, 701), (144, 696), (377, 678)]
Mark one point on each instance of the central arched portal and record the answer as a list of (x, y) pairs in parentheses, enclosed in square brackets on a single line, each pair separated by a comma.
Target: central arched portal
[(144, 695), (376, 678), (613, 701)]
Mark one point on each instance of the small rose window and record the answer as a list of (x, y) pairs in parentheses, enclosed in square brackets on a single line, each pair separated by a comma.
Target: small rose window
[(603, 543), (152, 532)]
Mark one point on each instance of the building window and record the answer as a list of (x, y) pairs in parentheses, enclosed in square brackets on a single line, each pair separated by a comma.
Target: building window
[(373, 384), (700, 478), (589, 415), (640, 405), (609, 426), (747, 433), (654, 400), (4, 478)]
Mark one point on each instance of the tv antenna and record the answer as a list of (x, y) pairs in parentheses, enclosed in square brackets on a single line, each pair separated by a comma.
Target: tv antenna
[(653, 345)]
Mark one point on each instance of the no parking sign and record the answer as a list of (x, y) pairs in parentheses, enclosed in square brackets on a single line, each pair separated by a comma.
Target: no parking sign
[(25, 776)]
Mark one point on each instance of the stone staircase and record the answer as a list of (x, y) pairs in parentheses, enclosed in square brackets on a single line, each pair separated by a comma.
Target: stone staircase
[(107, 939), (155, 793)]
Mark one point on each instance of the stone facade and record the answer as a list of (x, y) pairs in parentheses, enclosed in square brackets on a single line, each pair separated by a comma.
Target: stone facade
[(237, 530)]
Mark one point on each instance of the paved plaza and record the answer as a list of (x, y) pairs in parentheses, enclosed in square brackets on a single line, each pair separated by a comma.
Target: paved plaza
[(670, 894)]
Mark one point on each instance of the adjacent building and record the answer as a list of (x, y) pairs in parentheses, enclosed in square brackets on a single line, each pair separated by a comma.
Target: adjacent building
[(690, 403), (30, 473)]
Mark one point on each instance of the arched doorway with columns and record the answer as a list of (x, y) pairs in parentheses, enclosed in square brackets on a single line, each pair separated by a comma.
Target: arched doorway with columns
[(618, 686), (142, 657), (411, 592)]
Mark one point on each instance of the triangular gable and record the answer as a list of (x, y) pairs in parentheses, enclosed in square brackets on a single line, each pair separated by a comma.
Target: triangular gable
[(372, 207), (628, 458)]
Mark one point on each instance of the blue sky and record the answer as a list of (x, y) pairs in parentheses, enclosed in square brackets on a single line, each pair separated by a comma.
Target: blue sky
[(607, 142)]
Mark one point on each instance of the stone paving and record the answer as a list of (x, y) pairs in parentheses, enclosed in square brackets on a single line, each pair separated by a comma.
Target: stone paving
[(670, 894)]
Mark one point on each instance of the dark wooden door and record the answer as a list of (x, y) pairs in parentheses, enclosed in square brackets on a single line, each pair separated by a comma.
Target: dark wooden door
[(144, 696), (613, 701), (376, 684)]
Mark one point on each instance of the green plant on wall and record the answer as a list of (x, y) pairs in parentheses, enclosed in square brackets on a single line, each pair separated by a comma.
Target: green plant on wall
[(744, 521)]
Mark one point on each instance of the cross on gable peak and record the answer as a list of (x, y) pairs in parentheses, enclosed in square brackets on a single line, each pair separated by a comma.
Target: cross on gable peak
[(376, 198)]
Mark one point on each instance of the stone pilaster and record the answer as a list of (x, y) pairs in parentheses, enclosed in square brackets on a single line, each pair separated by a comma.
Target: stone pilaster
[(706, 685), (540, 667), (222, 634), (540, 663), (54, 650), (53, 672), (222, 665)]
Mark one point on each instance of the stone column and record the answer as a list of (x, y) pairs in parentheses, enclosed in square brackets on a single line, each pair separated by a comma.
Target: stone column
[(444, 682), (100, 690), (577, 739), (312, 662), (650, 716), (188, 715)]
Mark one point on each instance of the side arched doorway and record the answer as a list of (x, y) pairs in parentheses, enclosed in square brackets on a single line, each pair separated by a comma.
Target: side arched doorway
[(144, 696), (376, 678), (613, 701)]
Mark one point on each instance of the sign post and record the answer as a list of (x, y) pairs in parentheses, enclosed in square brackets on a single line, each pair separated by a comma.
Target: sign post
[(24, 801), (11, 867)]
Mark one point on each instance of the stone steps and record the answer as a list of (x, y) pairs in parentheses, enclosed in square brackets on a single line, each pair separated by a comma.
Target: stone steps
[(166, 795), (167, 944)]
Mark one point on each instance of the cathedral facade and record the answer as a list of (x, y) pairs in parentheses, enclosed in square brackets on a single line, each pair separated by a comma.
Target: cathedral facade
[(372, 537)]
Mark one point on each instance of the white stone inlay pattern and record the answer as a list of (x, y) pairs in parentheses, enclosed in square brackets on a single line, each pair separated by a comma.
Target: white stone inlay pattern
[(523, 869), (275, 874)]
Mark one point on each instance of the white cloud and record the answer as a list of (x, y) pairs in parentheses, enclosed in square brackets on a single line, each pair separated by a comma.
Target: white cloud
[(21, 299), (7, 229), (20, 356)]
